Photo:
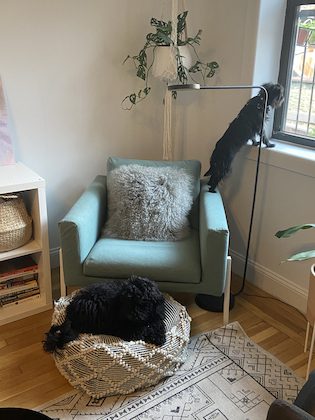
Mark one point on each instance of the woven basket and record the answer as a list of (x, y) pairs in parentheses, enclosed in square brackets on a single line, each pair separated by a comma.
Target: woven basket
[(103, 365), (15, 222)]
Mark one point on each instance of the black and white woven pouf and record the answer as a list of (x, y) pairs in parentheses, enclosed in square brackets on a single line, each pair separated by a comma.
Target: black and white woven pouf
[(103, 365)]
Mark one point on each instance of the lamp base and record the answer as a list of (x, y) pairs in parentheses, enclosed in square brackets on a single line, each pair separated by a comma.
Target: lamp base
[(213, 303)]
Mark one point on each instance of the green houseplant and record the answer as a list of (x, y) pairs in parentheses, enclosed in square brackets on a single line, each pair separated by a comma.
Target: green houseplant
[(286, 233), (144, 60), (306, 33)]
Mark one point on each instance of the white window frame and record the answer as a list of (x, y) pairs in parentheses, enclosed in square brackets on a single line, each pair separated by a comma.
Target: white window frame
[(286, 62)]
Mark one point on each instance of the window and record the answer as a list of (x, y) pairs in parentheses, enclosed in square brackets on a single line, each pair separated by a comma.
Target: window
[(295, 120)]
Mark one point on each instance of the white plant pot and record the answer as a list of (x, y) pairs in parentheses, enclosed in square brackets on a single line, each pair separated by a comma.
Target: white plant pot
[(165, 64)]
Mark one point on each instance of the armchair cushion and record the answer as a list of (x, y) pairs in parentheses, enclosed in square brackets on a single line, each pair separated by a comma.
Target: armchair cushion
[(148, 203), (169, 261)]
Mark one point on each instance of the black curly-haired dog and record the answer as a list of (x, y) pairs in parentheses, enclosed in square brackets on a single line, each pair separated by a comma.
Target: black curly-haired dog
[(132, 309), (246, 126)]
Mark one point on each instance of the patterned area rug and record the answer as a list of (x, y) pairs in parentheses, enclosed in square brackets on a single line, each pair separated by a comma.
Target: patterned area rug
[(226, 376)]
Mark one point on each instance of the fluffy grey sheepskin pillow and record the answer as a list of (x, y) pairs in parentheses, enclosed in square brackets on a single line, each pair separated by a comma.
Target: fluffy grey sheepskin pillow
[(148, 203)]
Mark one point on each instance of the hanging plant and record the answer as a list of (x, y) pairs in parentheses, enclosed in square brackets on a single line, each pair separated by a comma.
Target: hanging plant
[(144, 61)]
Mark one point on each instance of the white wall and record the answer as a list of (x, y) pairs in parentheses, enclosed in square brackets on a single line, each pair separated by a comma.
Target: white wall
[(61, 63), (285, 189), (269, 40), (284, 198), (202, 117)]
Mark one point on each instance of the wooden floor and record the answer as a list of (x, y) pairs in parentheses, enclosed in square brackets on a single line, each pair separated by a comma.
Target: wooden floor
[(29, 378)]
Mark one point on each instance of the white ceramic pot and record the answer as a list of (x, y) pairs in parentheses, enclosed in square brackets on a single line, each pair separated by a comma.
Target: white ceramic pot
[(165, 65), (184, 52)]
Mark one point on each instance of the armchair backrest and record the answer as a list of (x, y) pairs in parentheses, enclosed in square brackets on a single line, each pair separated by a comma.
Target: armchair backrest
[(192, 166)]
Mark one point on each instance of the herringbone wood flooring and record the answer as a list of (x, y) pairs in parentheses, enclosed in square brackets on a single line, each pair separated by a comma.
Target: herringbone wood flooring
[(28, 376)]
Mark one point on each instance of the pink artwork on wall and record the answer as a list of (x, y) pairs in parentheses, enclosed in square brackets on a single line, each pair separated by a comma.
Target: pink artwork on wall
[(6, 146)]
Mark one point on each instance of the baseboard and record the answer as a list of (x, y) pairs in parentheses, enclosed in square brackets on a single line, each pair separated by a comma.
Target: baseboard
[(270, 282), (54, 257)]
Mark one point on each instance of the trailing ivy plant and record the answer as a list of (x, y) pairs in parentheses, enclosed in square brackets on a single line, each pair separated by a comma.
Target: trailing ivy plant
[(143, 62)]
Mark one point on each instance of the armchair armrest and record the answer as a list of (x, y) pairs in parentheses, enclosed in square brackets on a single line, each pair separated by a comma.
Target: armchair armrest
[(280, 409), (214, 240), (81, 227), (303, 407)]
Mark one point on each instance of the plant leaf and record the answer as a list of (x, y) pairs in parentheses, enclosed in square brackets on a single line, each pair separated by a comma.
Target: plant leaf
[(195, 67), (141, 72), (182, 74), (133, 98), (210, 74), (166, 39), (160, 24), (301, 256), (165, 27), (213, 65), (181, 22), (142, 58), (159, 38), (127, 58), (286, 233), (196, 39), (146, 90)]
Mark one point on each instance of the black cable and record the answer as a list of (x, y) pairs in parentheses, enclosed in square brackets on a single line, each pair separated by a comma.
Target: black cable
[(250, 223), (278, 300)]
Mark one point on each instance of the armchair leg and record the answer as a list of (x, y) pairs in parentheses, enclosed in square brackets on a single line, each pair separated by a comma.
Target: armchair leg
[(223, 303), (227, 291), (63, 288)]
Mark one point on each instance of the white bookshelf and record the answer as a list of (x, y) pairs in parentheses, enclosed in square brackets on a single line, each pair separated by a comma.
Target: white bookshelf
[(19, 178)]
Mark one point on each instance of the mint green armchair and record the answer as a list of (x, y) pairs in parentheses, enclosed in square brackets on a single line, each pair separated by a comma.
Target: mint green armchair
[(196, 264)]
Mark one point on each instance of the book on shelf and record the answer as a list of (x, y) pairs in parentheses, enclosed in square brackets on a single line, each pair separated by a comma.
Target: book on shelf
[(16, 288), (18, 281), (24, 300), (18, 296), (17, 267)]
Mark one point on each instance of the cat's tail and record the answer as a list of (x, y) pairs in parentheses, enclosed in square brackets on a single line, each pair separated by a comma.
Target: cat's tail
[(58, 336)]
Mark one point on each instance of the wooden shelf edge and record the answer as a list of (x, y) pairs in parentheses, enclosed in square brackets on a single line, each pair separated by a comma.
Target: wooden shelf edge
[(30, 248), (22, 310)]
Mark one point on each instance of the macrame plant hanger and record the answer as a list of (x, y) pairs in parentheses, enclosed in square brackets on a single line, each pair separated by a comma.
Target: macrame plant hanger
[(170, 74)]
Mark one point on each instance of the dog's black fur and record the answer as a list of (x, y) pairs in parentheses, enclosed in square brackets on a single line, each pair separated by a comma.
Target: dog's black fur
[(246, 126), (132, 309)]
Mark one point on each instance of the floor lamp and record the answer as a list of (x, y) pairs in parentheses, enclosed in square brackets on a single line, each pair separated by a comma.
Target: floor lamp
[(213, 302)]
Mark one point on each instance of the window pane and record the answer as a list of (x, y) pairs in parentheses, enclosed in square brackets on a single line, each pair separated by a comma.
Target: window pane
[(300, 110)]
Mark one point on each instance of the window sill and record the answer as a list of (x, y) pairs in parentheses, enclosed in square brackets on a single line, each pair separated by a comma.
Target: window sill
[(288, 156)]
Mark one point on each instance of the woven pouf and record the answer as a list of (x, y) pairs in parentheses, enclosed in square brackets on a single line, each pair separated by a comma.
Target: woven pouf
[(103, 365)]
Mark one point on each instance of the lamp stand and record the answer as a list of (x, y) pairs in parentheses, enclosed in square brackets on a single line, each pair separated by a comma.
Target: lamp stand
[(210, 302)]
